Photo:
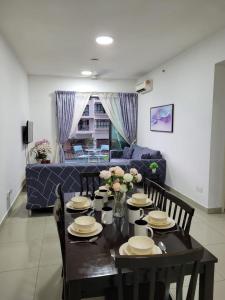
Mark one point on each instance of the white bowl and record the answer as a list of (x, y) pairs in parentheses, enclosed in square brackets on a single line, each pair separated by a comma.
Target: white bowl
[(140, 245), (158, 217), (79, 201), (84, 223), (139, 198)]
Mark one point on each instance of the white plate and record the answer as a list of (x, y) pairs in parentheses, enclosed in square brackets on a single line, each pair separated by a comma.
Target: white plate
[(93, 233), (171, 224), (130, 202), (123, 250), (70, 206)]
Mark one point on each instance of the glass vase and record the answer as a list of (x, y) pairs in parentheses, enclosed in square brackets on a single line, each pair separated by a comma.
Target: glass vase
[(119, 207)]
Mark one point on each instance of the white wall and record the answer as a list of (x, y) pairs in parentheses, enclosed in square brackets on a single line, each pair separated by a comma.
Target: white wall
[(217, 157), (13, 114), (42, 99), (188, 83)]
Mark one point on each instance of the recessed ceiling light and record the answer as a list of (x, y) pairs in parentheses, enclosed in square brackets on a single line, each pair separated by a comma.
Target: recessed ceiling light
[(104, 40), (86, 73)]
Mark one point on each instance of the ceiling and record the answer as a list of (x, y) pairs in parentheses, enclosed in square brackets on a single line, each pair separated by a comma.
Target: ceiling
[(57, 37)]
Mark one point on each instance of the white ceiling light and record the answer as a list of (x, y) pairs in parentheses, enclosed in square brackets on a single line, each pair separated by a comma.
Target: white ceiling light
[(104, 40), (86, 73)]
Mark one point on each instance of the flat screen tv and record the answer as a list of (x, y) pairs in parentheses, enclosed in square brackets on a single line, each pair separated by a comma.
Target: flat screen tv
[(28, 133)]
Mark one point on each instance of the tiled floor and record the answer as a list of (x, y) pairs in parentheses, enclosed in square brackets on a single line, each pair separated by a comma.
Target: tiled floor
[(30, 258)]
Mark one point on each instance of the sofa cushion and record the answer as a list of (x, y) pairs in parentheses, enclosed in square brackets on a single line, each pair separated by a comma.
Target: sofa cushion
[(138, 151), (127, 152), (119, 160), (146, 156)]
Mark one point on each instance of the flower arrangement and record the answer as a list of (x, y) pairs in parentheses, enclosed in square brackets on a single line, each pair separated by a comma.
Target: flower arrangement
[(41, 149), (118, 181)]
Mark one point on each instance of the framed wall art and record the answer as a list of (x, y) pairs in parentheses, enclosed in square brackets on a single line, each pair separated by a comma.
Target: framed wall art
[(161, 118)]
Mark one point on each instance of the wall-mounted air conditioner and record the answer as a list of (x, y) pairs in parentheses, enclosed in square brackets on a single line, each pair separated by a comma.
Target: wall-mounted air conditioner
[(144, 87)]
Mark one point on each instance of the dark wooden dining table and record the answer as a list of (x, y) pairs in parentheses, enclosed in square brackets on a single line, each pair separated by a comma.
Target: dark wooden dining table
[(90, 269)]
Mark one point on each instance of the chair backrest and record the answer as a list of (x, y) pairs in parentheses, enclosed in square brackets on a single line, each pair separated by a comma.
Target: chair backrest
[(89, 182), (58, 213), (154, 191), (179, 210), (78, 150), (164, 269), (104, 147), (59, 194)]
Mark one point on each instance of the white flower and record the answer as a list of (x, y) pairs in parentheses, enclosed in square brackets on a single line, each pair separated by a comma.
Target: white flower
[(123, 188), (138, 177), (133, 171), (127, 177), (105, 174)]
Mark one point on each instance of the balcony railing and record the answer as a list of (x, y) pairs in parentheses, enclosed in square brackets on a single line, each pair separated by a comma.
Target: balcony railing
[(83, 128)]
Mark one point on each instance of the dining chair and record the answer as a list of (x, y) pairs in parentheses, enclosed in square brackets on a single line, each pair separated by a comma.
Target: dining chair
[(59, 194), (58, 213), (178, 210), (154, 191), (152, 275), (92, 182)]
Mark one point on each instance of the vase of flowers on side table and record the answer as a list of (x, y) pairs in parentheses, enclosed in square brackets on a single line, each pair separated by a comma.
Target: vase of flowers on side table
[(41, 150), (120, 183)]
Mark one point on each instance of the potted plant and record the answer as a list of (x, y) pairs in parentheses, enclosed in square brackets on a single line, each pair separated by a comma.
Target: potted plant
[(154, 166), (120, 183), (41, 150)]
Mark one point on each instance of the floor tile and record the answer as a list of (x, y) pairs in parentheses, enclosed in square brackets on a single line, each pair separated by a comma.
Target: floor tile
[(50, 230), (18, 285), (49, 283), (21, 231), (50, 252), (19, 255)]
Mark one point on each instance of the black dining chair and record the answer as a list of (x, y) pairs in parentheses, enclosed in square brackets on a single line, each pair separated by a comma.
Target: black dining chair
[(59, 194), (152, 275), (178, 210), (154, 191), (58, 212), (91, 181)]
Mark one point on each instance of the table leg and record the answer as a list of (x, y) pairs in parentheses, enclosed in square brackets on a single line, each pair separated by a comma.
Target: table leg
[(206, 282), (74, 291)]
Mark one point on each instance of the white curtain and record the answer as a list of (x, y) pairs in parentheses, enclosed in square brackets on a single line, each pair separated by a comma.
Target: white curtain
[(111, 104), (81, 100)]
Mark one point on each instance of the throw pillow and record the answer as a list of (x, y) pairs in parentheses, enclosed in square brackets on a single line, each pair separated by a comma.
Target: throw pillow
[(127, 152), (146, 156)]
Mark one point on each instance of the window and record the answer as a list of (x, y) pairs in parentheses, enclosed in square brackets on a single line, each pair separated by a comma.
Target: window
[(102, 124), (83, 125), (86, 111), (99, 109)]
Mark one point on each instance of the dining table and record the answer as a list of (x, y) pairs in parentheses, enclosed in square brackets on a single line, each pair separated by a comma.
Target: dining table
[(90, 268)]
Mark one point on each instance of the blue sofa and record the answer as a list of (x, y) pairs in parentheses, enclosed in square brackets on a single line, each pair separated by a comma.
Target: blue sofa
[(41, 179), (140, 158)]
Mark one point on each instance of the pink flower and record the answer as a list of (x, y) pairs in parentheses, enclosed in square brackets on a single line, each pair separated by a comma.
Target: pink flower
[(116, 187), (119, 171)]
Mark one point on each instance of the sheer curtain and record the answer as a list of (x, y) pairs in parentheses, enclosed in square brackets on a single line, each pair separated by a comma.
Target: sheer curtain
[(65, 111), (81, 100), (111, 104)]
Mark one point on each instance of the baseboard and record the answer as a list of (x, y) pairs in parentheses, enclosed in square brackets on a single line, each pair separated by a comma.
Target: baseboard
[(12, 204), (216, 210)]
